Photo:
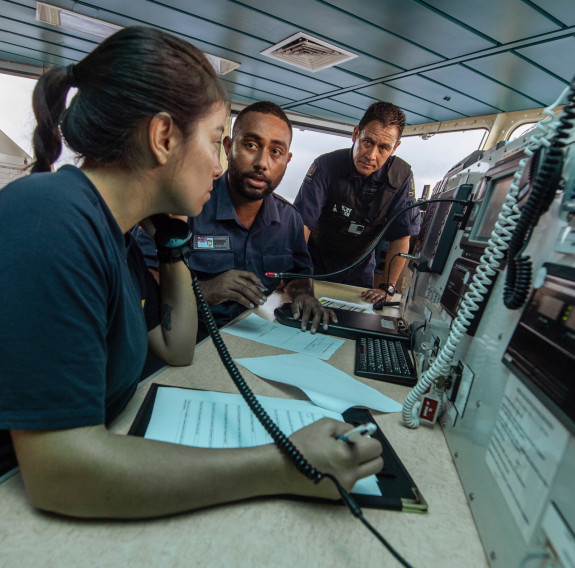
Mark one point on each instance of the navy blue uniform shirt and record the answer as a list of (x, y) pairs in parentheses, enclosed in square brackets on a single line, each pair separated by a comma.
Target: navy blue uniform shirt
[(274, 243), (313, 197)]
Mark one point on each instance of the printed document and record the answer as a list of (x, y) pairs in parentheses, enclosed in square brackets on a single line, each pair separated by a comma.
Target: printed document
[(209, 419)]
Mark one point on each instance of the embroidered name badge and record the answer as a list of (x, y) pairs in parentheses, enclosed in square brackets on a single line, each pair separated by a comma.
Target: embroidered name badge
[(211, 243), (343, 210)]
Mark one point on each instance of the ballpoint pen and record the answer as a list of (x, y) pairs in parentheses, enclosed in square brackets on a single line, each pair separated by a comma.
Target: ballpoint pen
[(357, 433)]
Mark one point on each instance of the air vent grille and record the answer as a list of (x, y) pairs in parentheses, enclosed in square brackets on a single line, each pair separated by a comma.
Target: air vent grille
[(307, 52)]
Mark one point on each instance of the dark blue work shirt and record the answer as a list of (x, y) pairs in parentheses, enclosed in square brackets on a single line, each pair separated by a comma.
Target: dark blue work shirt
[(73, 331), (345, 212), (274, 243)]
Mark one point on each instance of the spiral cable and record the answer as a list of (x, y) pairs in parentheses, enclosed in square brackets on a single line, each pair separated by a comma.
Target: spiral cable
[(279, 438), (497, 246), (547, 167)]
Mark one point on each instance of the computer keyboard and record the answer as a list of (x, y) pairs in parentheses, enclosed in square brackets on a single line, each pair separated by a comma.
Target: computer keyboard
[(384, 360)]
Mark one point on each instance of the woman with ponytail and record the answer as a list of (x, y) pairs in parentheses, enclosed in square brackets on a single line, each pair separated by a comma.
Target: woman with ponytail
[(145, 124)]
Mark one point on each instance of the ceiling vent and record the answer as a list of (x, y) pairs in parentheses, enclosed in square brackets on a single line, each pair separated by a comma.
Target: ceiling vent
[(308, 52)]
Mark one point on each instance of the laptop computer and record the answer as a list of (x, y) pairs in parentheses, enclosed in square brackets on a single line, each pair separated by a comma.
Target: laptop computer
[(351, 324)]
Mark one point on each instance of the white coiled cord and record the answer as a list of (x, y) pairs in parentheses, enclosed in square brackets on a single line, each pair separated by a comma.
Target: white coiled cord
[(483, 277)]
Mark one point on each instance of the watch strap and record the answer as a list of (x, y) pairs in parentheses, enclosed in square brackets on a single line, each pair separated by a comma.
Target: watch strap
[(169, 255)]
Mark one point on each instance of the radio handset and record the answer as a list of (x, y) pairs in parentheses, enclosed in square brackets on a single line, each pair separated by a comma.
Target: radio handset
[(172, 238)]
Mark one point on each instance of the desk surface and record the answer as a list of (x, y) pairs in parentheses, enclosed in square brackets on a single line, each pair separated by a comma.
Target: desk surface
[(264, 532)]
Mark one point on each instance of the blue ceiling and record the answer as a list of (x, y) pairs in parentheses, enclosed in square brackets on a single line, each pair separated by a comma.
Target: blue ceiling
[(438, 60)]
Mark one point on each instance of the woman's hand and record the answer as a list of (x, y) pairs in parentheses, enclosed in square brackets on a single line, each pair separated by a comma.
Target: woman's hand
[(349, 463)]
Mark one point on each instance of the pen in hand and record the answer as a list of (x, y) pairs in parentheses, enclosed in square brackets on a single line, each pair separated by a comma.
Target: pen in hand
[(358, 433)]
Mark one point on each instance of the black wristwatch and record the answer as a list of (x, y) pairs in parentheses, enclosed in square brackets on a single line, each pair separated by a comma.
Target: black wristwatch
[(170, 255), (389, 288)]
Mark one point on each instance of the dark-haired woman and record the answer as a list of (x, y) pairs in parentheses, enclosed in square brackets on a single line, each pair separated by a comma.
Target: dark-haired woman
[(146, 122)]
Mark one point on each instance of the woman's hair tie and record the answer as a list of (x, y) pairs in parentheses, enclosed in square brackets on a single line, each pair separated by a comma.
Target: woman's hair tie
[(70, 75)]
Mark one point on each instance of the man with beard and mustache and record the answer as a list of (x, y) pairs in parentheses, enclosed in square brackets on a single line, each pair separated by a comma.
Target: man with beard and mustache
[(245, 230)]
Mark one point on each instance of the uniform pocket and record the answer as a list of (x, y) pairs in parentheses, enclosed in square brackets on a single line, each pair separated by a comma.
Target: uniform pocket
[(213, 262)]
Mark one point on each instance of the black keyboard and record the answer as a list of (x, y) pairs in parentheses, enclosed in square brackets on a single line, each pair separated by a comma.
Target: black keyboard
[(384, 360)]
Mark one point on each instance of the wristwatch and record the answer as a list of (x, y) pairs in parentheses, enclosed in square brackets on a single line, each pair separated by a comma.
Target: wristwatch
[(390, 288), (170, 255)]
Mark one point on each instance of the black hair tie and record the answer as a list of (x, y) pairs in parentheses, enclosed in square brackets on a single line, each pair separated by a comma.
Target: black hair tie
[(70, 75)]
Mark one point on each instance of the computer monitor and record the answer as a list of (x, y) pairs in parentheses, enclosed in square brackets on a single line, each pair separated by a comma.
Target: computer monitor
[(541, 351), (495, 197), (446, 219), (487, 203)]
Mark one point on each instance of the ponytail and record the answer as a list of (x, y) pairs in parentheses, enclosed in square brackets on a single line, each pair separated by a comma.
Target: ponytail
[(49, 102), (130, 77)]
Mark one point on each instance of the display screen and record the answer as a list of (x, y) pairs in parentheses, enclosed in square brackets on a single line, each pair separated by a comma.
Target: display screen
[(542, 347), (491, 207)]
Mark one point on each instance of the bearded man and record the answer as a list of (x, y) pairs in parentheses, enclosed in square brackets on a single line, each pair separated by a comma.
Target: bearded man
[(245, 230)]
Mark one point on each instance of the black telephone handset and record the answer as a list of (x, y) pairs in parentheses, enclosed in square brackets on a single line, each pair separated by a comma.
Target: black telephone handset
[(172, 238), (279, 438), (383, 304), (544, 177)]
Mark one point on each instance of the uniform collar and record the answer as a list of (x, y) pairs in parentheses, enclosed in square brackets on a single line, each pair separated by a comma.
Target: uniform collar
[(225, 209)]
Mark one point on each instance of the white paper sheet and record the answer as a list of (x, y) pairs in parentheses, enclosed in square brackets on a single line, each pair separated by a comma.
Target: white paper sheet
[(278, 335), (209, 419), (341, 305), (325, 385)]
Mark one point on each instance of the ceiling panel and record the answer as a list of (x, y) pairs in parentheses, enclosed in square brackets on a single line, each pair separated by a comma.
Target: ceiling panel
[(555, 57), (502, 20), (350, 32), (521, 75), (417, 23), (500, 97), (487, 56), (188, 20), (560, 9), (413, 102), (436, 91), (360, 101)]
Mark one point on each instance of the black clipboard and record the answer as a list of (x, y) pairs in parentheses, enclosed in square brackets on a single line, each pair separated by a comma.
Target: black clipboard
[(398, 490)]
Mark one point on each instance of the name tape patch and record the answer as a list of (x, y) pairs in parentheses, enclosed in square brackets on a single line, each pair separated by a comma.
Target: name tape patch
[(211, 243)]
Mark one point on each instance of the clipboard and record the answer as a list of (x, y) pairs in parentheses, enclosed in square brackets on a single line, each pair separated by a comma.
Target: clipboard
[(398, 490)]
